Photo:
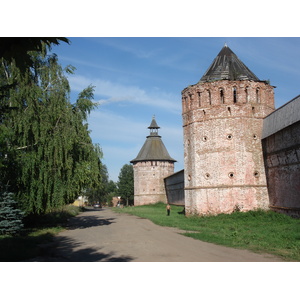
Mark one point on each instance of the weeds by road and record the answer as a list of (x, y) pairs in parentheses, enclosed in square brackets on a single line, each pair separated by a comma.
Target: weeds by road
[(258, 231)]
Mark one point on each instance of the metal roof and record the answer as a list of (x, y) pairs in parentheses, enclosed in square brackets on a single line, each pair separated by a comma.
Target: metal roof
[(282, 117), (227, 66), (153, 148), (153, 124)]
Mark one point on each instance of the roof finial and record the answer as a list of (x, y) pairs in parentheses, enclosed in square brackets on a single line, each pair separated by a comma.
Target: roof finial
[(153, 117), (225, 45)]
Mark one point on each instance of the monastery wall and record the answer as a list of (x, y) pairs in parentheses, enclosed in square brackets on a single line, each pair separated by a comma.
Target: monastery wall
[(281, 146), (174, 185)]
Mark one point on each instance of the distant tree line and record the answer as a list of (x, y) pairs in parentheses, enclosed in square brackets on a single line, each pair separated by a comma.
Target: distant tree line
[(123, 188)]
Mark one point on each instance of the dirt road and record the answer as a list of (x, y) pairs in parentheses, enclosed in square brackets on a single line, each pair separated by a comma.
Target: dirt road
[(102, 235)]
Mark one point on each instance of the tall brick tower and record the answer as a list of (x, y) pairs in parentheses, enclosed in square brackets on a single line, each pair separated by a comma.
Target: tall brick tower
[(222, 120), (150, 167)]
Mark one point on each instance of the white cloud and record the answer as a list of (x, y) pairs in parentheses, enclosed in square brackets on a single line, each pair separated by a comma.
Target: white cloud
[(109, 126), (123, 45), (121, 138), (110, 92)]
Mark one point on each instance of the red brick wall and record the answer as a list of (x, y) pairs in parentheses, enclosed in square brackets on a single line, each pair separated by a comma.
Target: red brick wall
[(223, 161)]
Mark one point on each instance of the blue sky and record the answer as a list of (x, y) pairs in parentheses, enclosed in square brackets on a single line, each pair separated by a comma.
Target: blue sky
[(136, 78)]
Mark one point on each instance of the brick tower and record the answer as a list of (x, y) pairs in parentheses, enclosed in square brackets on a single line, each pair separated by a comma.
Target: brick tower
[(222, 120), (150, 167)]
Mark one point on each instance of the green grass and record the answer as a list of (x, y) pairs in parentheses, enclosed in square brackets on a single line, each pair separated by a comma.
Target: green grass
[(38, 230), (259, 231)]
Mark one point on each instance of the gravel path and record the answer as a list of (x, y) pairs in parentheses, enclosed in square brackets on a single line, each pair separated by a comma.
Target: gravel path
[(103, 235)]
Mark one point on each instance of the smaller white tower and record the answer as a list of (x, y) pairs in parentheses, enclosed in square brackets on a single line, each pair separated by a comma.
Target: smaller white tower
[(150, 167)]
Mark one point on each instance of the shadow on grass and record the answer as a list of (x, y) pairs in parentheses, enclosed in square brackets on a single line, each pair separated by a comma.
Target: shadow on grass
[(20, 248)]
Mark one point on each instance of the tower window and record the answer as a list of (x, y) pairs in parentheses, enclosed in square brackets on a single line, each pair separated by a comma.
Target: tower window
[(247, 94), (258, 95), (191, 96), (222, 95), (231, 175), (186, 102), (234, 95), (209, 97), (199, 98)]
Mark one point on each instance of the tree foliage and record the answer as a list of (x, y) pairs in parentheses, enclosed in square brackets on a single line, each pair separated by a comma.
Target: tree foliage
[(126, 183), (103, 193), (18, 49), (49, 156), (10, 216)]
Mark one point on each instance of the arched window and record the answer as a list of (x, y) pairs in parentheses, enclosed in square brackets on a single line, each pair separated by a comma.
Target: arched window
[(184, 101), (258, 95), (199, 98), (247, 94), (222, 95), (234, 95), (209, 97), (190, 99)]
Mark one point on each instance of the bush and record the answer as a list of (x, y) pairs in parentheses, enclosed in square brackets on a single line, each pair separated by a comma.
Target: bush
[(10, 216)]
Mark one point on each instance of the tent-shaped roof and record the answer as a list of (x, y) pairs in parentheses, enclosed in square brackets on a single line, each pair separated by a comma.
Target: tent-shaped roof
[(228, 66), (153, 148), (153, 124)]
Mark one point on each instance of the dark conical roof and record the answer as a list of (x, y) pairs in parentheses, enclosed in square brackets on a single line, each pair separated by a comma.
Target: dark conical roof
[(153, 148), (228, 66)]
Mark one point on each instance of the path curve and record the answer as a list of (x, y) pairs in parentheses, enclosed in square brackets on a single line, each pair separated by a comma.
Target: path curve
[(103, 235)]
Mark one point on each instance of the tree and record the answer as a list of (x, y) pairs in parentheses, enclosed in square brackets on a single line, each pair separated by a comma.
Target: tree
[(125, 183), (103, 193), (50, 158), (18, 49), (10, 216)]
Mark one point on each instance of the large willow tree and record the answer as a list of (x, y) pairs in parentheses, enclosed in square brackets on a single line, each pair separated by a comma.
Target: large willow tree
[(50, 158)]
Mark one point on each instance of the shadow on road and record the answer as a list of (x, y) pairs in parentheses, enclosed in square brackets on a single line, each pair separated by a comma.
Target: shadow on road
[(67, 249), (63, 249), (83, 221)]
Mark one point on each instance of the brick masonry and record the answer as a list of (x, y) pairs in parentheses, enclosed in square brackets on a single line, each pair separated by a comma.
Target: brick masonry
[(282, 160), (223, 161), (149, 181)]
